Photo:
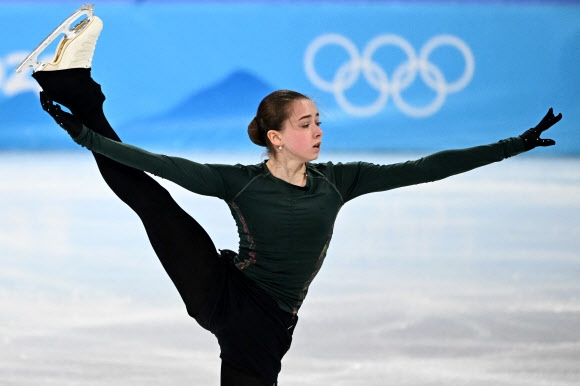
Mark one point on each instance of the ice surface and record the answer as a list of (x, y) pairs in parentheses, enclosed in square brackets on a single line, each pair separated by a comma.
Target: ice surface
[(473, 280)]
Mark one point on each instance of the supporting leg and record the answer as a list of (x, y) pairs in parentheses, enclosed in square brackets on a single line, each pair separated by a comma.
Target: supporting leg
[(231, 376)]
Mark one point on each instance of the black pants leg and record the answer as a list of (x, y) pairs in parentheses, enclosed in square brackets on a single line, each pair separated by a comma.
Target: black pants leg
[(231, 376), (184, 248)]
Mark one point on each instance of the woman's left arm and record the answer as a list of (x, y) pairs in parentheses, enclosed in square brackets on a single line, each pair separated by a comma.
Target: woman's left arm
[(364, 178)]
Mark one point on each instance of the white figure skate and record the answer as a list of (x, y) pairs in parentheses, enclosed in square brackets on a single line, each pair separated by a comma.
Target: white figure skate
[(79, 42)]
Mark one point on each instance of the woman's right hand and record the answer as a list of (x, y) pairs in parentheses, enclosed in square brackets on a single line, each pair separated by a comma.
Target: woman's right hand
[(67, 121)]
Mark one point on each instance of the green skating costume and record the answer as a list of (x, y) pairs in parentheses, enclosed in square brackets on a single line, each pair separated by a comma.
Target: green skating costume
[(284, 230)]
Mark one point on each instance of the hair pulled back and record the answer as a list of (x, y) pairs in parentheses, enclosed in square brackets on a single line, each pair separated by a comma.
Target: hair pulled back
[(273, 110)]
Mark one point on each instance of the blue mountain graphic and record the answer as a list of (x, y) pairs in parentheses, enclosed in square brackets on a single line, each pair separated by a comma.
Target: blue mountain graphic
[(237, 95), (214, 116)]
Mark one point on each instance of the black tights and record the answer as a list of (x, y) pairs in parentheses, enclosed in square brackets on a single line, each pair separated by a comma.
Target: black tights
[(184, 248), (231, 376)]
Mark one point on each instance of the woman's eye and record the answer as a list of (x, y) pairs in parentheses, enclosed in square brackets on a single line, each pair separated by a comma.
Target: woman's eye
[(307, 125)]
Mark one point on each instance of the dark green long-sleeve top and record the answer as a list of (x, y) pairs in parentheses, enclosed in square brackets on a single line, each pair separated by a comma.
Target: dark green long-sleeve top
[(284, 230)]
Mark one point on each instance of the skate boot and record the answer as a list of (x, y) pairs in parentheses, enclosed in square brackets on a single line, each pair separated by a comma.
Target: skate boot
[(76, 48)]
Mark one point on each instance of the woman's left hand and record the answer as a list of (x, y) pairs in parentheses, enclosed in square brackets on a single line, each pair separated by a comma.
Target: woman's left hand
[(532, 138)]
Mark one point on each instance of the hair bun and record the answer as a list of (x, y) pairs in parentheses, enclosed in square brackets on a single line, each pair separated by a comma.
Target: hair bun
[(255, 134)]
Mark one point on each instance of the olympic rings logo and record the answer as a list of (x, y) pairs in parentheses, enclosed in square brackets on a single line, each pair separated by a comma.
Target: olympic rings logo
[(403, 76)]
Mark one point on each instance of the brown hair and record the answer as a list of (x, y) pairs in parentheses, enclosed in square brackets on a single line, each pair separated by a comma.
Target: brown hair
[(272, 112)]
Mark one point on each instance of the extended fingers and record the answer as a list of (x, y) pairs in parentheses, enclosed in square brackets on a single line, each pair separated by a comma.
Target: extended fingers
[(47, 103), (549, 120), (50, 107), (546, 142), (44, 101), (56, 111)]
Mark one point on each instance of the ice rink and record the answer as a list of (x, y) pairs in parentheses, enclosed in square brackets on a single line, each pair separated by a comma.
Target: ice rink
[(474, 280)]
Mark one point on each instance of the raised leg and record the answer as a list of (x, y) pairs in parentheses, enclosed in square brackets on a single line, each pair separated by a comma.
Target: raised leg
[(182, 245)]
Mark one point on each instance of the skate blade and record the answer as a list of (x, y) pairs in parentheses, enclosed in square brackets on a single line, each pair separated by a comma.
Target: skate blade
[(64, 28)]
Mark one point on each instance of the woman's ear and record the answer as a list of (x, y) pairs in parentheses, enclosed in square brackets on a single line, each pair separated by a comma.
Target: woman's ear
[(274, 138)]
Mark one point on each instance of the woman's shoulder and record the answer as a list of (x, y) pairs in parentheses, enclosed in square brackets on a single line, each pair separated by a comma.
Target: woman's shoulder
[(330, 166), (239, 170)]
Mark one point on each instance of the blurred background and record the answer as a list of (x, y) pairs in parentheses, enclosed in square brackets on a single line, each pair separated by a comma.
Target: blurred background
[(473, 280), (387, 75)]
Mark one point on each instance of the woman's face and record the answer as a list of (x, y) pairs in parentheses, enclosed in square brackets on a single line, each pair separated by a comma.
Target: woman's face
[(301, 135)]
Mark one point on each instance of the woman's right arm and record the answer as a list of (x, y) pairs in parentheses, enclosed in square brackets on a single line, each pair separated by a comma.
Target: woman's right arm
[(198, 178), (193, 176)]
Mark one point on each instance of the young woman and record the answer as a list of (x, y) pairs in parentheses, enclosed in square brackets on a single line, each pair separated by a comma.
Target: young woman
[(284, 207)]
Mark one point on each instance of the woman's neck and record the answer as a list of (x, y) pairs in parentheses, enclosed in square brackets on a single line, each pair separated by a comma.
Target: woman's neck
[(293, 172)]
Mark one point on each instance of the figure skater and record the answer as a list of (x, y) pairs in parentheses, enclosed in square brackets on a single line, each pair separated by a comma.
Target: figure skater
[(284, 207)]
